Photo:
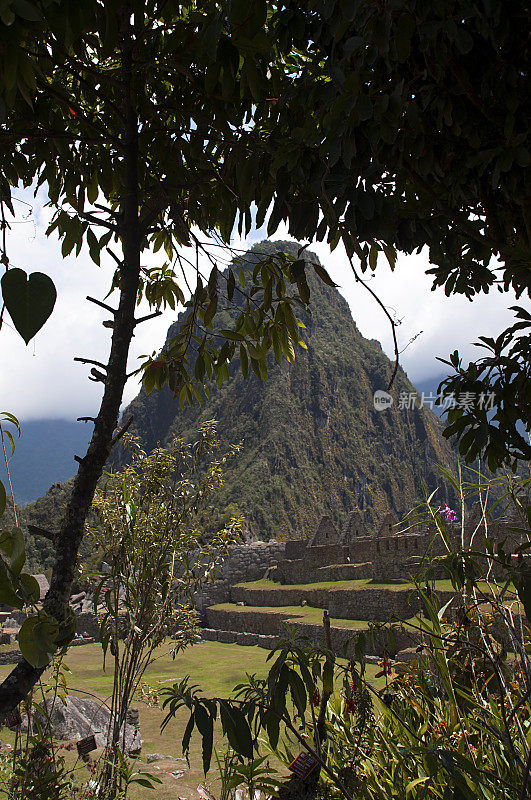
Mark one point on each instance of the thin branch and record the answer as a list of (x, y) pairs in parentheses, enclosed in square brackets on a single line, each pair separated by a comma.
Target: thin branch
[(113, 255), (97, 221), (121, 432), (96, 376), (386, 312), (148, 316), (102, 305), (134, 372), (90, 361), (347, 238), (35, 530)]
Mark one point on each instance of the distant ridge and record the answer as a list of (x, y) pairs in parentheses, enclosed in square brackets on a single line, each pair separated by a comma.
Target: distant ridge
[(44, 454)]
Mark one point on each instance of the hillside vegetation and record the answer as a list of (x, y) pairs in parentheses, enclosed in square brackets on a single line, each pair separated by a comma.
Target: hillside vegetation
[(312, 440)]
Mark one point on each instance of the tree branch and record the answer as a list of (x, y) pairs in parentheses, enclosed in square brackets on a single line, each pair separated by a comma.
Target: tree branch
[(102, 305), (149, 316), (24, 676), (90, 361), (35, 530), (97, 376), (116, 438), (97, 221)]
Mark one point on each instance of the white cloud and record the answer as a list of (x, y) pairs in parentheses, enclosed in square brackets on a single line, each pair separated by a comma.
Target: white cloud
[(42, 380), (446, 323)]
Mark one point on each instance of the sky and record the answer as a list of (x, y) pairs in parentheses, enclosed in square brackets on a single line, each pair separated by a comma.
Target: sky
[(42, 381)]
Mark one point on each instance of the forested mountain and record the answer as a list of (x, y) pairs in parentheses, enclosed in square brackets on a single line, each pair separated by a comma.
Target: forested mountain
[(312, 439)]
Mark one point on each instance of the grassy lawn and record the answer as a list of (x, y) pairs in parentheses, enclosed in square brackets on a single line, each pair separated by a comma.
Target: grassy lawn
[(360, 583), (216, 667), (313, 616), (444, 585), (265, 583)]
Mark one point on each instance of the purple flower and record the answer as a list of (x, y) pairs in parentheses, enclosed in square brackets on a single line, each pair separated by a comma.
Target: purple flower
[(448, 514)]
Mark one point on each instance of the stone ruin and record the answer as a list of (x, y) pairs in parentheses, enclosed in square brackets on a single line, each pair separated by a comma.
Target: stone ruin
[(384, 554), (307, 574), (393, 551)]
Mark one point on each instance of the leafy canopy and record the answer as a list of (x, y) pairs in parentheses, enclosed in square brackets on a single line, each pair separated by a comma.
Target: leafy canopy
[(405, 125)]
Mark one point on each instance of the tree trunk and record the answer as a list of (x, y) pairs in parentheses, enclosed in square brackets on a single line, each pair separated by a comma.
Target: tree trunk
[(23, 677)]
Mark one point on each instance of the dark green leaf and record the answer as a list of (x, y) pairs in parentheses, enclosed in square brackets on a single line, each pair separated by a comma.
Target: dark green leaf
[(328, 676), (236, 729), (298, 691), (296, 270), (272, 726), (29, 300), (187, 735), (232, 335), (205, 726), (323, 274), (37, 638), (27, 10)]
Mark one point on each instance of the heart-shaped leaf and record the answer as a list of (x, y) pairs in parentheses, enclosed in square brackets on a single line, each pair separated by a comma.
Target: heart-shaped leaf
[(29, 300), (36, 639), (12, 544)]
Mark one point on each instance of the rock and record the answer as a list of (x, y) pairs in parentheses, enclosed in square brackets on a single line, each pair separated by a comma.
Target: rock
[(203, 793), (82, 717), (178, 773), (151, 757)]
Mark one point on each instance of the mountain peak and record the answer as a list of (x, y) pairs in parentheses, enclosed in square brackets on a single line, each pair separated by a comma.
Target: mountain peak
[(313, 441)]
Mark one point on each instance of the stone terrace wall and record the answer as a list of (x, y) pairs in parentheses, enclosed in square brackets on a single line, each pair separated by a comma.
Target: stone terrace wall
[(248, 562), (87, 624), (244, 562), (250, 621), (378, 604), (343, 639), (283, 596)]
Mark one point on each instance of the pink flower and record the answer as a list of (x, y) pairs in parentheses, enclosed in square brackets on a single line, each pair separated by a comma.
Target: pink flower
[(448, 514)]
